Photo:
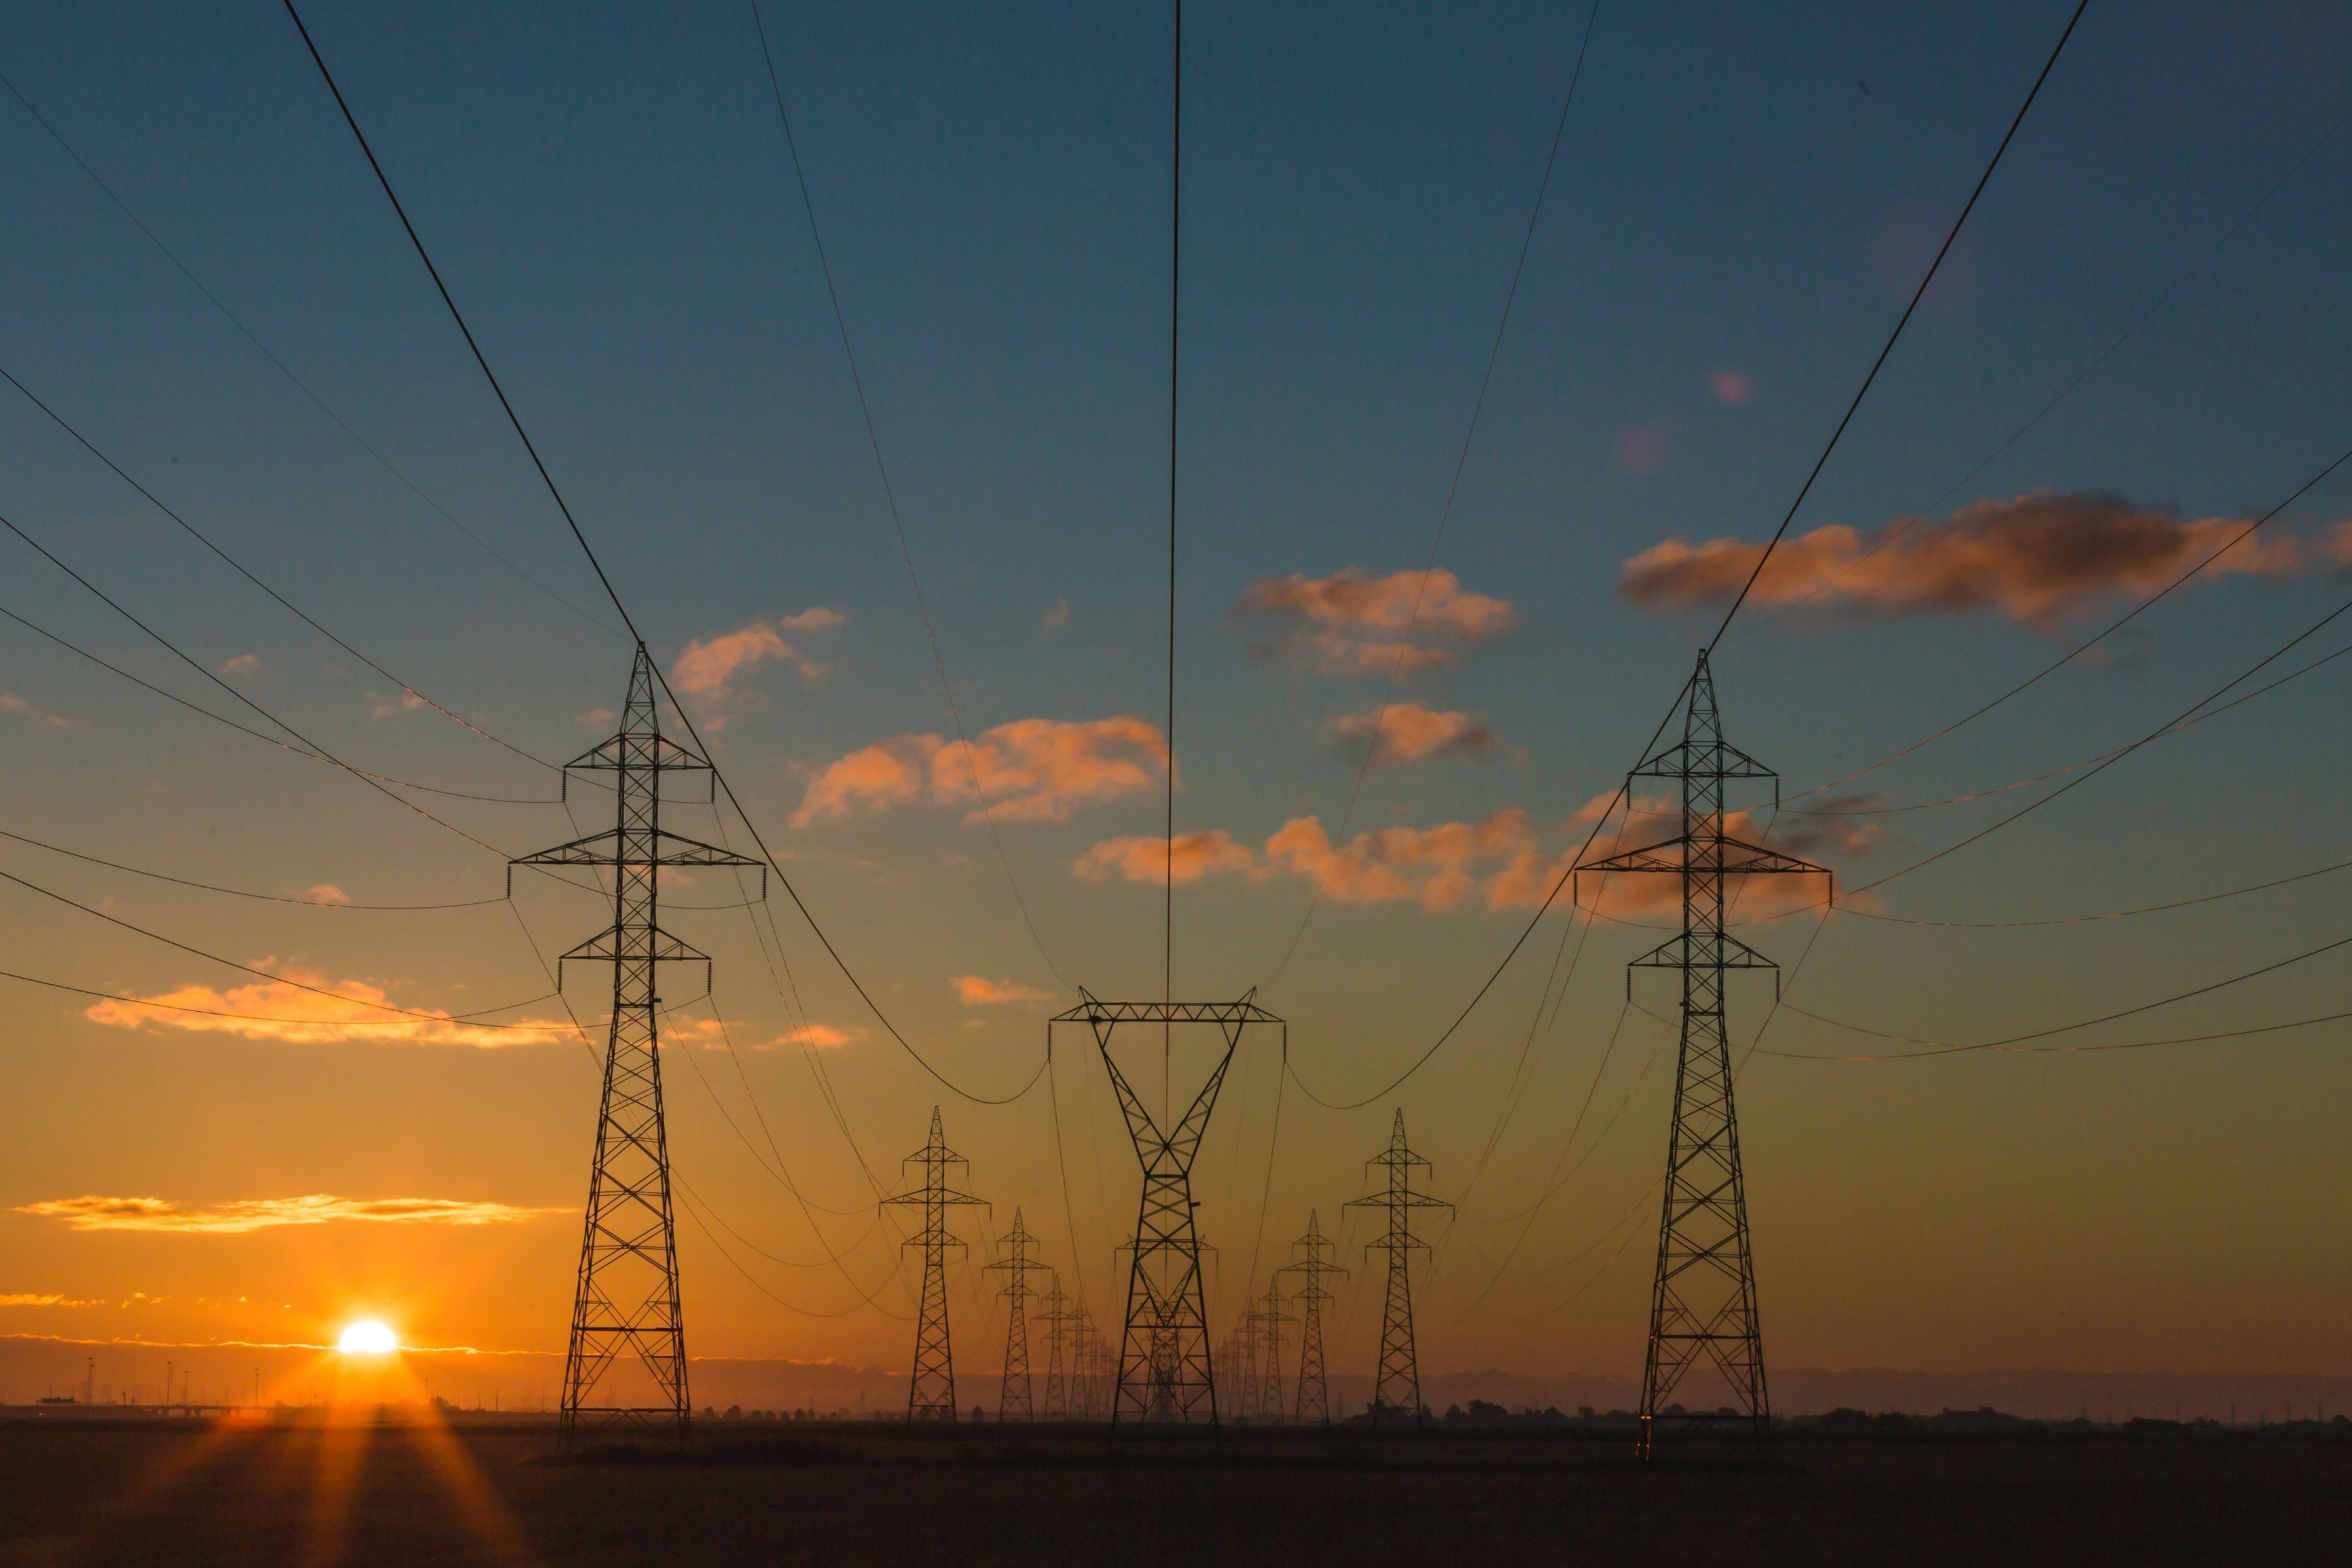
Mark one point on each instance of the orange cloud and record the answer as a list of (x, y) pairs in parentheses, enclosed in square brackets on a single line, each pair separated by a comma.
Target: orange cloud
[(240, 1216), (26, 1299), (1147, 860), (326, 893), (711, 1035), (242, 666), (273, 1010), (975, 991), (1434, 866), (1351, 623), (2037, 560), (393, 707), (1409, 732), (11, 702), (708, 666), (1030, 769)]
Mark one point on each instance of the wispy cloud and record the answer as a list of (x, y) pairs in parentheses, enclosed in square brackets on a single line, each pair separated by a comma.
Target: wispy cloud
[(978, 991), (26, 1299), (711, 1035), (1032, 768), (244, 664), (23, 708), (289, 1014), (1207, 853), (380, 706), (709, 665), (1352, 624), (2036, 560), (326, 893), (239, 1216), (1409, 732)]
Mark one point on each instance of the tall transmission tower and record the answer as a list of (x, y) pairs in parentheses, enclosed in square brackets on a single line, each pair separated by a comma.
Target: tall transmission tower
[(1270, 1319), (931, 1391), (1164, 1371), (1314, 1260), (1247, 1338), (1396, 1393), (1059, 1319), (626, 1303), (1703, 1299), (1013, 1401)]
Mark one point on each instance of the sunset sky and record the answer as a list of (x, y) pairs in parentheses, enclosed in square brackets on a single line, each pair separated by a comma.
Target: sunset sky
[(1742, 203)]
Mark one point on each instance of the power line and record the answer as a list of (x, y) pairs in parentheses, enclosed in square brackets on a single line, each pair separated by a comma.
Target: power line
[(283, 369), (1175, 341), (587, 549), (890, 495), (1453, 488), (1889, 536), (260, 973), (1942, 1050), (239, 567), (465, 1019), (1920, 293), (315, 749), (238, 891)]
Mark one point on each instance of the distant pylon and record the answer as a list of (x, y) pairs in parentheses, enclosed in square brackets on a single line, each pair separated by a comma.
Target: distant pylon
[(626, 1300), (1270, 1319), (1702, 1298), (1059, 1319), (931, 1391), (1396, 1393), (1013, 1400), (1243, 1361), (1164, 1361), (1314, 1401)]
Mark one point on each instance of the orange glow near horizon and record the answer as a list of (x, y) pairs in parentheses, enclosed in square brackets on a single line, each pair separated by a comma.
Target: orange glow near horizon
[(368, 1337)]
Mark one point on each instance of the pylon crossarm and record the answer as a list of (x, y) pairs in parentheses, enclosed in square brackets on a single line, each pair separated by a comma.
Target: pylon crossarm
[(1139, 1124), (1732, 857)]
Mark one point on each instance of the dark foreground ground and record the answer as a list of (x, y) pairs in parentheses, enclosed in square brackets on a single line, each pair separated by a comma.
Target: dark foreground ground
[(197, 1494)]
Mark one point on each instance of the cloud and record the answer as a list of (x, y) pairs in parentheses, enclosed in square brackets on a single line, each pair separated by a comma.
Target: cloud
[(26, 1299), (1197, 856), (976, 991), (392, 707), (11, 702), (711, 1035), (1650, 895), (1641, 448), (274, 1010), (1436, 867), (1030, 769), (326, 893), (1731, 386), (1351, 623), (2037, 560), (242, 666), (240, 1216), (1411, 733), (708, 667)]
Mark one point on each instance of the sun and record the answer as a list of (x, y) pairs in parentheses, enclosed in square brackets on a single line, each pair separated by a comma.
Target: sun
[(367, 1337)]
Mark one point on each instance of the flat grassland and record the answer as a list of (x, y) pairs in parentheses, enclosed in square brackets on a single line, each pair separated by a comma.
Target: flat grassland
[(287, 1493)]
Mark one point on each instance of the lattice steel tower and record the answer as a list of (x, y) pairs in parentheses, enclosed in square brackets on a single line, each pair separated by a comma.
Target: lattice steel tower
[(1314, 1401), (1164, 1371), (1013, 1400), (1059, 1318), (1270, 1319), (627, 1302), (1396, 1393), (1702, 1300), (931, 1391)]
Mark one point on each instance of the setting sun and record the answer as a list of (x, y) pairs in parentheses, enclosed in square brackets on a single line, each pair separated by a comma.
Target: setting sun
[(367, 1337)]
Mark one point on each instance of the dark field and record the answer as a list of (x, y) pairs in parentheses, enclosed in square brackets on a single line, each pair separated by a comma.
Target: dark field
[(163, 1493)]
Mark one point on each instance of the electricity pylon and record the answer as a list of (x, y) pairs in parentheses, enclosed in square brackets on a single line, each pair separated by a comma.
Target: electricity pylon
[(1164, 1370), (1013, 1399), (628, 1300), (1058, 1319), (1244, 1342), (931, 1391), (1270, 1319), (1396, 1391), (1314, 1401), (1703, 1299)]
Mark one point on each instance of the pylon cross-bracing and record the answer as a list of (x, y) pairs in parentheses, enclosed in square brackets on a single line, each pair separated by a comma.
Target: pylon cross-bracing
[(1396, 1391), (1164, 1363), (1013, 1400), (1314, 1401), (626, 1307), (1702, 1300), (930, 1390)]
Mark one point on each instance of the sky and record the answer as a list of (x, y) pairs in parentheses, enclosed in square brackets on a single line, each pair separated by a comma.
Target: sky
[(2129, 354)]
